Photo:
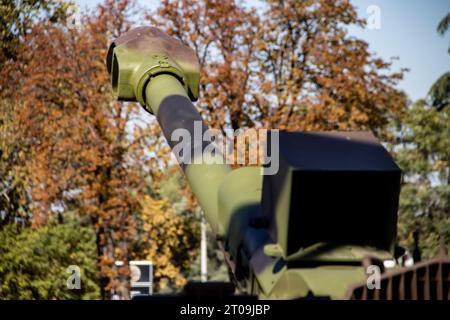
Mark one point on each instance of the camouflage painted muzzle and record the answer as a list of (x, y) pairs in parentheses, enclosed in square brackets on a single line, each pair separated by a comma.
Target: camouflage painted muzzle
[(139, 55)]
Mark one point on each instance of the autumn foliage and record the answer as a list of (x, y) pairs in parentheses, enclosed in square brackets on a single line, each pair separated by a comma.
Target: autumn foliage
[(289, 65), (79, 150), (66, 146)]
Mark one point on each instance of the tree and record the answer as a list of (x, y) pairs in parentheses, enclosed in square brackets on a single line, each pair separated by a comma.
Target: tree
[(319, 77), (439, 94), (16, 21), (34, 263), (14, 199), (75, 139), (172, 240), (423, 155), (443, 25), (75, 150), (224, 37), (292, 67), (17, 18)]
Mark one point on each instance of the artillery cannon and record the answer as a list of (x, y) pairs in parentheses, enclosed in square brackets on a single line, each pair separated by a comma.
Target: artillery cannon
[(310, 229)]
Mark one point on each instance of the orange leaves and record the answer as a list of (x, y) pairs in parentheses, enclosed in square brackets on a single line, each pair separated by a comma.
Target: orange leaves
[(263, 69), (76, 140), (315, 63), (266, 86), (223, 35)]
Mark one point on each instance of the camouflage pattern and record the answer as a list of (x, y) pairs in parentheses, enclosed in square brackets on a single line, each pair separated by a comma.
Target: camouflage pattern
[(303, 232)]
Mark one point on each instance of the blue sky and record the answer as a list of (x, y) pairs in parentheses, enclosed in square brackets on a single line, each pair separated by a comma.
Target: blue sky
[(407, 31)]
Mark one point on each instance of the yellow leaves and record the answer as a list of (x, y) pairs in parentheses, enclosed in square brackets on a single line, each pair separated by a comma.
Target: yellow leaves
[(156, 212), (261, 45), (167, 240), (297, 73), (163, 152)]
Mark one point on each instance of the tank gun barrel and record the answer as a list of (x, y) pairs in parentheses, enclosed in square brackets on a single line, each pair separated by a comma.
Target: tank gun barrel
[(306, 228), (176, 113)]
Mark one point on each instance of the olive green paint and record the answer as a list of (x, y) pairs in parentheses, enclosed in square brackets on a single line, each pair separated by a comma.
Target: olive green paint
[(148, 66)]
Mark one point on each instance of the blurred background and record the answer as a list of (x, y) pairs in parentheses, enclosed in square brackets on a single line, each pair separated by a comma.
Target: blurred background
[(89, 182)]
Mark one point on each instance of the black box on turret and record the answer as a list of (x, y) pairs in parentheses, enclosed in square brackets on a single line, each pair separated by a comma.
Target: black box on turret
[(331, 187)]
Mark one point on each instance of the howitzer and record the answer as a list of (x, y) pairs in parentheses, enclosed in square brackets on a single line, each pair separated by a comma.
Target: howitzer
[(309, 230)]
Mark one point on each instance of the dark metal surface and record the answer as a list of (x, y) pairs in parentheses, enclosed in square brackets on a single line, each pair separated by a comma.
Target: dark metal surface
[(427, 280), (334, 187), (350, 151), (175, 113)]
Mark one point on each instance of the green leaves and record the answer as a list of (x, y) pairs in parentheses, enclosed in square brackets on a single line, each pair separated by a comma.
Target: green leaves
[(423, 154), (34, 261), (17, 18), (439, 93), (444, 24)]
